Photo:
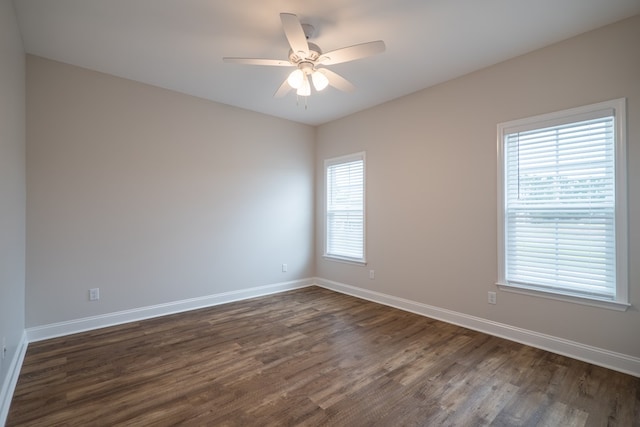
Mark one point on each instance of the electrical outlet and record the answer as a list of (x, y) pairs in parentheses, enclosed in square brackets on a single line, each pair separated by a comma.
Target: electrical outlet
[(491, 298), (284, 268), (372, 274), (94, 294)]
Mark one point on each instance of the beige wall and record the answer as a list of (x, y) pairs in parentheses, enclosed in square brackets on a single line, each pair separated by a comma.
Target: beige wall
[(156, 197), (431, 184), (12, 186)]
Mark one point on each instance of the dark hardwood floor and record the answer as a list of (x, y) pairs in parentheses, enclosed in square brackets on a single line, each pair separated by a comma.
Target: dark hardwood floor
[(310, 357)]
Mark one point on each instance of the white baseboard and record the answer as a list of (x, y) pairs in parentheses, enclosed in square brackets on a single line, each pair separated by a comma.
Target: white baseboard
[(54, 330), (11, 380), (597, 356)]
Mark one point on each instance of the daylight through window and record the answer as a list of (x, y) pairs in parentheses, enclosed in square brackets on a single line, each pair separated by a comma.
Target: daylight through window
[(563, 214), (344, 209)]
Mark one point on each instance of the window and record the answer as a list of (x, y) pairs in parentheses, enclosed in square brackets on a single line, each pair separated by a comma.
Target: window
[(344, 208), (562, 205)]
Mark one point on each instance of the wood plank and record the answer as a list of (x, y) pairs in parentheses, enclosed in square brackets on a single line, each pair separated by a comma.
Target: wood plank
[(310, 357)]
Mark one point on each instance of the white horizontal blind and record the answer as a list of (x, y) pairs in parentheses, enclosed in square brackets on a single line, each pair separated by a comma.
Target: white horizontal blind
[(345, 208), (560, 207)]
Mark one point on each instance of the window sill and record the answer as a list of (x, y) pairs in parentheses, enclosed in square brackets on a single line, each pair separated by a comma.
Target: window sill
[(611, 305), (345, 260)]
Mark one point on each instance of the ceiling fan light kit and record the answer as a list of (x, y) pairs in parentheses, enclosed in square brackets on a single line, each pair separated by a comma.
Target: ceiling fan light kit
[(309, 60), (299, 79)]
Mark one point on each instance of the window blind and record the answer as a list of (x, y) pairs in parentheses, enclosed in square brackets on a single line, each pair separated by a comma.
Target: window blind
[(560, 207), (345, 209)]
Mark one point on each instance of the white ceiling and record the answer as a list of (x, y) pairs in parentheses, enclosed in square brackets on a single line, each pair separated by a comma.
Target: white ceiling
[(179, 44)]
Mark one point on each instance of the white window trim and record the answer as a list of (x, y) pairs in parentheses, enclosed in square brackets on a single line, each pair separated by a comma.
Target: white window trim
[(621, 303), (343, 159)]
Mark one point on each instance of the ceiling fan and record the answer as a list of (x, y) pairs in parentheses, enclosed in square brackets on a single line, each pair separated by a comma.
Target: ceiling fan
[(310, 61)]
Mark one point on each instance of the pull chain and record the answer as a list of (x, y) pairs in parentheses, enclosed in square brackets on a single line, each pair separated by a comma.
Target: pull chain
[(306, 106)]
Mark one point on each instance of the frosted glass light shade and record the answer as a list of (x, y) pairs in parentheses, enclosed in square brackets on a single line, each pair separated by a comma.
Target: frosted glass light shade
[(296, 78), (305, 87), (320, 81)]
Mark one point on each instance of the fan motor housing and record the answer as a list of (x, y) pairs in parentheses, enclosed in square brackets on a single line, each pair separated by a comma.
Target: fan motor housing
[(314, 54)]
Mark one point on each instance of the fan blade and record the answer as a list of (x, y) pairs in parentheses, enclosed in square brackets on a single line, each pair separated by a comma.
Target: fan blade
[(295, 34), (351, 53), (337, 81), (282, 90), (258, 61)]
